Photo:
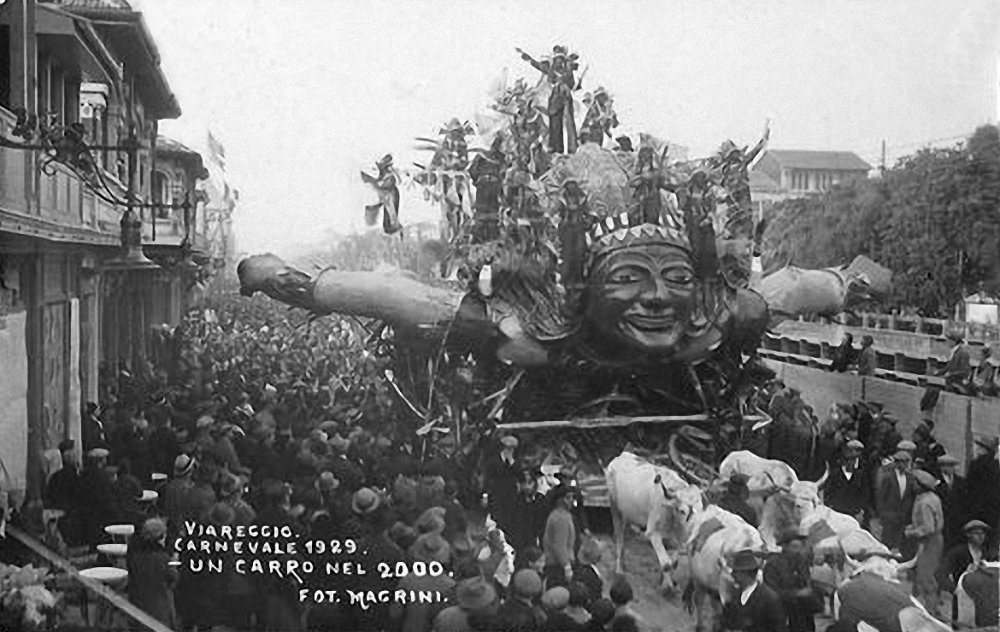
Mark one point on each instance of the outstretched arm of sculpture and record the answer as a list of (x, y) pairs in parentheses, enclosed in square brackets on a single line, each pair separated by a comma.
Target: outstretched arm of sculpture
[(396, 297)]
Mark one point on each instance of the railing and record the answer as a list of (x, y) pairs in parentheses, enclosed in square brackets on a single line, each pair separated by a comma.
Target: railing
[(116, 601), (937, 327)]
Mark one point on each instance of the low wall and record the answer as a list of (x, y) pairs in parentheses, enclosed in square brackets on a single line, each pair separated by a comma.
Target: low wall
[(886, 340), (958, 420)]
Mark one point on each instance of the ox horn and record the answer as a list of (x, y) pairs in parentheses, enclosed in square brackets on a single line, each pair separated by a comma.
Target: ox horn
[(905, 566), (822, 479)]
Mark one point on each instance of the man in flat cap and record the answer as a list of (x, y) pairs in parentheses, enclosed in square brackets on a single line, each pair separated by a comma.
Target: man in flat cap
[(502, 474), (848, 489), (983, 485), (962, 557), (894, 499), (734, 500)]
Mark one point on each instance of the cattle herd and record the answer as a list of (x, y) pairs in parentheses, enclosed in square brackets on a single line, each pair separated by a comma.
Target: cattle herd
[(682, 520)]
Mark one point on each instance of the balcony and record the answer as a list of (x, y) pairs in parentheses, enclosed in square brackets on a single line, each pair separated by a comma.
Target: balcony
[(60, 208)]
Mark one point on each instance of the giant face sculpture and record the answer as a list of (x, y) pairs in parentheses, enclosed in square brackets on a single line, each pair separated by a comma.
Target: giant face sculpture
[(642, 296)]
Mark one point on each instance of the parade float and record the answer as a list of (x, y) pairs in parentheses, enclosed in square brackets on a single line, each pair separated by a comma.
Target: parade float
[(592, 295)]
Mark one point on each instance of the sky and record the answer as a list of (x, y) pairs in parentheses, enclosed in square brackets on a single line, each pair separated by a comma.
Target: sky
[(306, 93)]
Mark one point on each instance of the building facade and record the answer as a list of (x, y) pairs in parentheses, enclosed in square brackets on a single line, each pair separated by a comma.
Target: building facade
[(781, 174), (66, 311)]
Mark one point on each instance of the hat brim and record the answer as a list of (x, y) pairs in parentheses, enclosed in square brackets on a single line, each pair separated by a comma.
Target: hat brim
[(480, 601), (363, 512)]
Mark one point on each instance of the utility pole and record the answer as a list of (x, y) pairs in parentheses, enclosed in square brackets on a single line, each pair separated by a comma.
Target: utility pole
[(882, 167)]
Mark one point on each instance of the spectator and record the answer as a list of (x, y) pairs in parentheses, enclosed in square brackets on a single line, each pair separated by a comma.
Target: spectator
[(475, 596), (758, 608), (63, 492), (586, 571), (962, 557), (926, 529), (92, 428), (867, 360), (502, 474), (951, 489), (848, 488), (518, 612), (580, 599), (894, 500), (175, 496), (418, 616), (788, 574), (928, 449), (735, 499), (844, 356), (554, 602), (602, 612), (958, 370), (559, 540), (983, 485), (151, 578)]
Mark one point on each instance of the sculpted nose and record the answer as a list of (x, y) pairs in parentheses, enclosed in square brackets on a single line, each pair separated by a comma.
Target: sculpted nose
[(655, 295)]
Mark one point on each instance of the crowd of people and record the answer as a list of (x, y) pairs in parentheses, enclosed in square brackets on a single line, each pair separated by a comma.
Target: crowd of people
[(248, 417), (253, 416), (905, 490)]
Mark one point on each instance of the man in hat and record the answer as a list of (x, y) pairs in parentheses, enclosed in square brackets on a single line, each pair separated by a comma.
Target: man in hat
[(788, 573), (926, 529), (502, 473), (848, 488), (757, 608), (951, 489), (927, 447), (417, 615), (92, 428), (982, 498), (559, 539), (175, 495), (965, 556), (476, 597), (734, 500), (957, 371), (558, 69), (63, 492), (867, 360), (894, 499)]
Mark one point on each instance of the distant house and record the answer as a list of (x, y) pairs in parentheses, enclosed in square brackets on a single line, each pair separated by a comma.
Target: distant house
[(784, 173)]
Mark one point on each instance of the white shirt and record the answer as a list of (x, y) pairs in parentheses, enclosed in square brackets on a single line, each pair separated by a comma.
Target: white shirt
[(848, 474), (745, 595), (901, 479)]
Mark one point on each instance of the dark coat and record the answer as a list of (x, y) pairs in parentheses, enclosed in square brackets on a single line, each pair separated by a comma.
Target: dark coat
[(955, 562), (63, 489), (516, 616), (763, 612), (848, 496), (983, 491), (151, 580), (787, 575), (894, 509), (952, 506), (585, 574), (501, 485)]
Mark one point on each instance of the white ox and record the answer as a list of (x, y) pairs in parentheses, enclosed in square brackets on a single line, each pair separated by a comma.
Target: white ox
[(774, 484), (715, 536), (654, 498)]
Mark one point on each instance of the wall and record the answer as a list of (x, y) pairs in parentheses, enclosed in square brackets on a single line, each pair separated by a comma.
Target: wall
[(14, 399), (958, 420)]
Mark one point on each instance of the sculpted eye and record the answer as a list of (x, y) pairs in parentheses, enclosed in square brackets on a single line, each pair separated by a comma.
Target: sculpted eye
[(679, 276), (624, 276)]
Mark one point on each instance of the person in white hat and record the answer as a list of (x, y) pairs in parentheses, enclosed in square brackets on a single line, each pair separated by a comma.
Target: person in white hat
[(894, 499)]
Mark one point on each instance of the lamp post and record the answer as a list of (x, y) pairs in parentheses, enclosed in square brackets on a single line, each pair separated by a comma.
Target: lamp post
[(66, 145)]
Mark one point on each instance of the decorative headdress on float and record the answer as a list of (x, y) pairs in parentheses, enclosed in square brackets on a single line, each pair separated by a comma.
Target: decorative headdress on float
[(622, 231)]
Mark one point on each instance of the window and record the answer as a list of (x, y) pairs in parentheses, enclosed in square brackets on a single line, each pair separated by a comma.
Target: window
[(161, 193)]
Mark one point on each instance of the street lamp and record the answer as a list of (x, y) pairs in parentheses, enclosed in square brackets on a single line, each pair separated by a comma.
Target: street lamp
[(66, 145)]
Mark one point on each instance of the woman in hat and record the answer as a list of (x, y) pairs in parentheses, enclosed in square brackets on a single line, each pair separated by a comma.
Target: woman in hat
[(151, 578), (927, 529), (757, 608)]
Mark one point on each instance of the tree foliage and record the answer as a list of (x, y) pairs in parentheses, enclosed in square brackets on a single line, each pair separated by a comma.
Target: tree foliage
[(934, 219)]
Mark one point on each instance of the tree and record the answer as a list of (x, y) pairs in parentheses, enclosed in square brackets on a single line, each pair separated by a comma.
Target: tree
[(934, 219)]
